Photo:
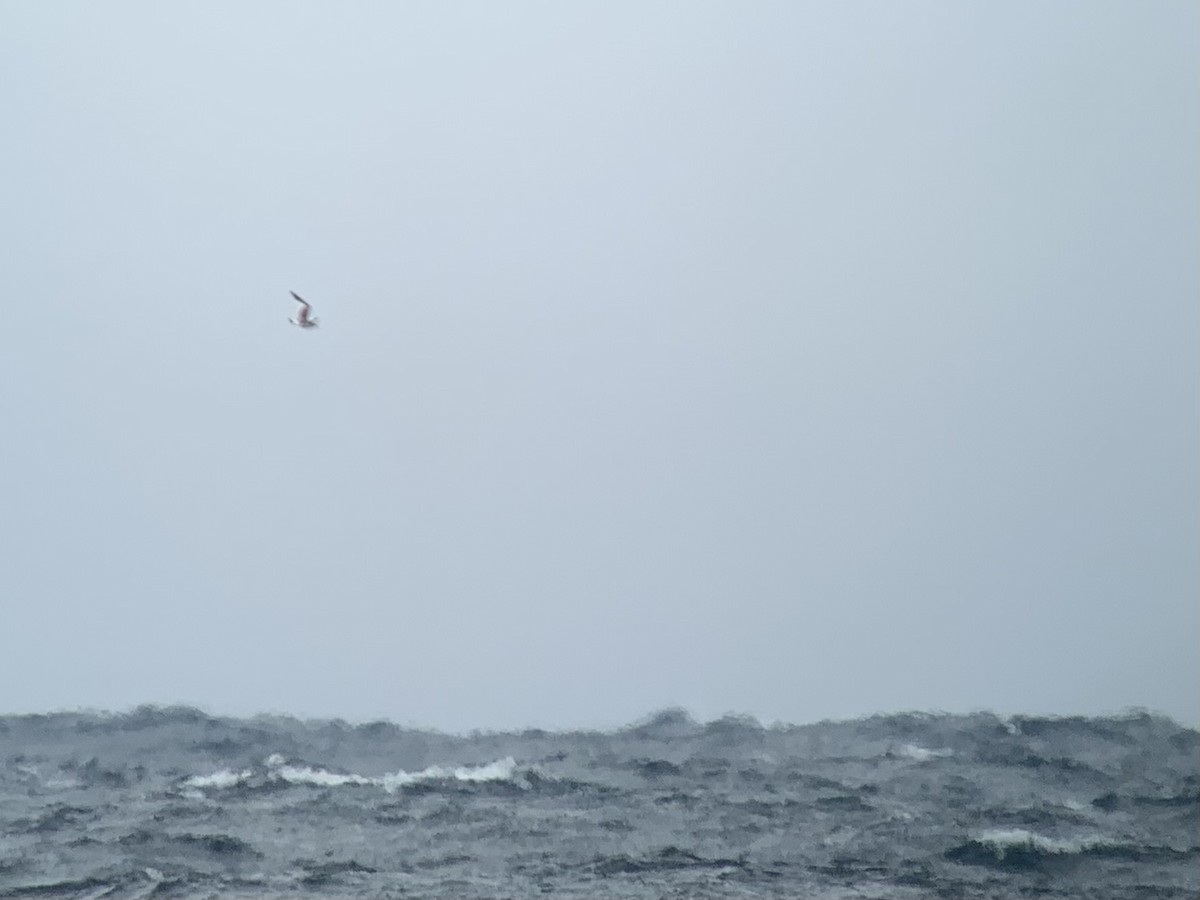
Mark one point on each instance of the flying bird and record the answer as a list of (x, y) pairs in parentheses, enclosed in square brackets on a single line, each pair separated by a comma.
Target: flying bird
[(302, 318)]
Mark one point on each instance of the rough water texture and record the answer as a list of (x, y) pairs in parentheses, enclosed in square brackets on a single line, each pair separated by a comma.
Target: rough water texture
[(176, 803)]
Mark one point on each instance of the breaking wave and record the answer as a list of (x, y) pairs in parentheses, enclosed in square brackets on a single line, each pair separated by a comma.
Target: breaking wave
[(279, 771), (1017, 848), (921, 754)]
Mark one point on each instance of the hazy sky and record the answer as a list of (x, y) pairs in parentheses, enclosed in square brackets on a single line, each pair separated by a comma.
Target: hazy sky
[(799, 359)]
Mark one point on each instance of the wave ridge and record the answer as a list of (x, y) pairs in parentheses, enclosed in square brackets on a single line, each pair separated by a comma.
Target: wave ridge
[(279, 770)]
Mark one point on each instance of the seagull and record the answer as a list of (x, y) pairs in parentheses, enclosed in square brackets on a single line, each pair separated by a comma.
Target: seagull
[(302, 318)]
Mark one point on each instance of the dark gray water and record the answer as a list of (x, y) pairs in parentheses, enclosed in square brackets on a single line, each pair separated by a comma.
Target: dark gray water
[(176, 803)]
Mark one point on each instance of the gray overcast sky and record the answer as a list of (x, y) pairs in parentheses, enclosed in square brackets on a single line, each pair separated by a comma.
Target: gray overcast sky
[(801, 359)]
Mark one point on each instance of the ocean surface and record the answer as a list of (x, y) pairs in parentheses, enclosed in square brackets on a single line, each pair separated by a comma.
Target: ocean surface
[(172, 802)]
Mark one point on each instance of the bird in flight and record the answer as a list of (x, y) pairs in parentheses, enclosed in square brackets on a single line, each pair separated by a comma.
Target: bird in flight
[(302, 317)]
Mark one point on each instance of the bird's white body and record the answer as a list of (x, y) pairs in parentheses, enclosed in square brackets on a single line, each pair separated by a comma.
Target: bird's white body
[(303, 318)]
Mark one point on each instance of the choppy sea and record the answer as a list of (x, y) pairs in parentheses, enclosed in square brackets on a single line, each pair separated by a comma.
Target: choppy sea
[(175, 803)]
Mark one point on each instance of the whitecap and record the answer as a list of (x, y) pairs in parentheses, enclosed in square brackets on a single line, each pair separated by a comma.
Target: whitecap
[(279, 769), (318, 777), (500, 770), (1004, 840), (921, 754), (220, 780)]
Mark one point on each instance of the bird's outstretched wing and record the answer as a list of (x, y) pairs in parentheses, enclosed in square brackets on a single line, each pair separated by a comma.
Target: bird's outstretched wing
[(302, 318)]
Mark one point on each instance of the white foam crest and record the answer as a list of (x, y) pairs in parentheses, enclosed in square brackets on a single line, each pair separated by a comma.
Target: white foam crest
[(280, 769), (225, 778), (921, 754), (318, 777), (500, 770), (1003, 840)]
